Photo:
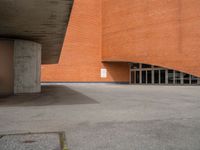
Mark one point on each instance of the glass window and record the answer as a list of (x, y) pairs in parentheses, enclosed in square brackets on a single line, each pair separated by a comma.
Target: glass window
[(194, 80), (146, 74), (177, 77), (170, 76), (135, 66), (149, 77), (144, 77), (156, 76), (162, 76), (137, 77), (146, 66), (186, 78)]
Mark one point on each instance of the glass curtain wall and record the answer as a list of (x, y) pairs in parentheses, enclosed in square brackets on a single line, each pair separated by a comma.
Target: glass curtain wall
[(148, 74)]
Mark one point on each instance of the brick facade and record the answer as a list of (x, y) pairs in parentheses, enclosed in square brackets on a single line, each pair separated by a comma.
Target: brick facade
[(80, 59), (159, 32)]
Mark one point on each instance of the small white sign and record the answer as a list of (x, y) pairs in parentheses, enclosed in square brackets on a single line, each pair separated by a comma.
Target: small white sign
[(103, 73)]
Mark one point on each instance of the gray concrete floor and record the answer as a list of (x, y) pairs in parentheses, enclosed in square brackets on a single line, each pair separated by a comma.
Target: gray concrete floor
[(45, 141), (109, 116)]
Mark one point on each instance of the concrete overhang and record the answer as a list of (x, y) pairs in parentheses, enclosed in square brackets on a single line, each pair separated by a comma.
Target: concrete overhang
[(42, 21)]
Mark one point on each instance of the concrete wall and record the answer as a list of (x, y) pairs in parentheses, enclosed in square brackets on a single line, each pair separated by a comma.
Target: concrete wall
[(160, 32), (6, 67), (81, 54), (27, 61)]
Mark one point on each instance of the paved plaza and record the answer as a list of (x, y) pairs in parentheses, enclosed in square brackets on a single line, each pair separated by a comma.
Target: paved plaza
[(109, 116)]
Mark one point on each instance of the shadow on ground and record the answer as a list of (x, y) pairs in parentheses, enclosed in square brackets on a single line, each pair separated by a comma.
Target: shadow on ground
[(50, 95)]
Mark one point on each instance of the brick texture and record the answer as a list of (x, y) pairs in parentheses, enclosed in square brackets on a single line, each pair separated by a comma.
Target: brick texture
[(81, 54), (160, 32)]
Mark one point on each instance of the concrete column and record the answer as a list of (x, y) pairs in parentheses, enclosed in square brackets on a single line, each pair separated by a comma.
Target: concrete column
[(166, 76), (27, 61), (140, 68), (6, 67), (182, 77), (198, 81), (174, 77), (152, 72)]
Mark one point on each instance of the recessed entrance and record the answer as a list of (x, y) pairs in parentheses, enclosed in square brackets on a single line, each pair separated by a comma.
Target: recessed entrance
[(149, 74)]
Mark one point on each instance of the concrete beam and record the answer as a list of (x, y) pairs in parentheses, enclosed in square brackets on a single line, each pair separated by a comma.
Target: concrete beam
[(41, 21)]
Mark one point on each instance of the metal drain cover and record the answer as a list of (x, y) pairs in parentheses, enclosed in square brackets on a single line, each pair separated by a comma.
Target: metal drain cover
[(35, 141)]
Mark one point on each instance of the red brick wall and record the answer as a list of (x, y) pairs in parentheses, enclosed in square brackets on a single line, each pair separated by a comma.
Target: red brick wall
[(81, 54), (161, 32)]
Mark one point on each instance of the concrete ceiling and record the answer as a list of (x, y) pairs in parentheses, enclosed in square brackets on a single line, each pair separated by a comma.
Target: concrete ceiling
[(42, 21)]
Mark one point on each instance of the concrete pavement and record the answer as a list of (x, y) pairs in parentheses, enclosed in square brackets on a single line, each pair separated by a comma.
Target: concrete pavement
[(109, 116)]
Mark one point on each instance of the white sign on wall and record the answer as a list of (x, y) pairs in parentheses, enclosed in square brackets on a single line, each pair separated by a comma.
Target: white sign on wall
[(103, 73)]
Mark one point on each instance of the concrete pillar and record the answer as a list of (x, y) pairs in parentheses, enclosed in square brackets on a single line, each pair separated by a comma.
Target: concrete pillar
[(27, 61), (182, 78), (152, 72), (6, 67), (140, 72), (166, 76)]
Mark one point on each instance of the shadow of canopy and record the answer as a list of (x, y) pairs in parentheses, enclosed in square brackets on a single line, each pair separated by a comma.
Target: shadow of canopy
[(50, 95)]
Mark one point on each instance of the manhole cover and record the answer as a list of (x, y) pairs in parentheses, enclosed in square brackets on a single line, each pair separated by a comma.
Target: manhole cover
[(32, 141)]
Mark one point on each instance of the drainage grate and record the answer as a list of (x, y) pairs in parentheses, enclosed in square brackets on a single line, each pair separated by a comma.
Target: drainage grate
[(33, 141)]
